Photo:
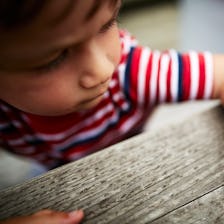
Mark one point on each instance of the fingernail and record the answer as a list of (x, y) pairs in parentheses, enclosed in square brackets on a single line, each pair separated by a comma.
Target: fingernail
[(75, 213)]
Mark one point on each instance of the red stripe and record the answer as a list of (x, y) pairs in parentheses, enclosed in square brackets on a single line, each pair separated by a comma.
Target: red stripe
[(147, 83), (168, 84), (186, 76), (201, 88), (133, 91), (51, 125)]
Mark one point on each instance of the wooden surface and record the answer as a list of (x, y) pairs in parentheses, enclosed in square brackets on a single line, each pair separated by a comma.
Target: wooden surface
[(175, 175)]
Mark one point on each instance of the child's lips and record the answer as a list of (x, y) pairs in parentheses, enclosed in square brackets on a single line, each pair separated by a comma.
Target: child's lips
[(94, 98), (103, 88), (102, 92), (86, 102)]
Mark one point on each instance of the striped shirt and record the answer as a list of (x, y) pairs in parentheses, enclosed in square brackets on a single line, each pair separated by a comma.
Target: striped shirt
[(143, 79)]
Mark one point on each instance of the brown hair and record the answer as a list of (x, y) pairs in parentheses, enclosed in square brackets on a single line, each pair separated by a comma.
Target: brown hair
[(96, 6), (17, 12), (14, 13)]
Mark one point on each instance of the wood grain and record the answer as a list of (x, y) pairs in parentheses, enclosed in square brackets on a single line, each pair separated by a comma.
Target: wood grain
[(174, 175)]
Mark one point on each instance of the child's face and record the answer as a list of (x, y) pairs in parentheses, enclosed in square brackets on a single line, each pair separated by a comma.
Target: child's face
[(55, 65)]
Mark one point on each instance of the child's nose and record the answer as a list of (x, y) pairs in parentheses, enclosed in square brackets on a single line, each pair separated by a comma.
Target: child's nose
[(97, 68)]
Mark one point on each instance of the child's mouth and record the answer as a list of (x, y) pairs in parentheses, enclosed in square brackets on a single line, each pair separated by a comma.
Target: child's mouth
[(94, 98), (104, 87)]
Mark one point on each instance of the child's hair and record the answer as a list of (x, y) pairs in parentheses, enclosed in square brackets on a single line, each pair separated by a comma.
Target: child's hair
[(14, 13)]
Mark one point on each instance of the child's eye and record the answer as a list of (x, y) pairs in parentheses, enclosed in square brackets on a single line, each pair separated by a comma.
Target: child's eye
[(54, 63), (108, 25)]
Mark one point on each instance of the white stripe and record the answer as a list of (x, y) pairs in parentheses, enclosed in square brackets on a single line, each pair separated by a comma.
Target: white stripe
[(154, 75), (118, 96), (89, 133), (19, 141), (128, 42), (174, 76), (65, 133), (14, 122), (93, 132), (131, 122), (17, 124), (121, 73), (16, 142), (125, 106), (208, 75), (4, 108), (194, 66), (113, 83), (163, 78), (108, 108), (144, 59)]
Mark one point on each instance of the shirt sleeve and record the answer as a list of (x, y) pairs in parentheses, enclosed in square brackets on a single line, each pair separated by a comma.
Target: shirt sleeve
[(154, 77)]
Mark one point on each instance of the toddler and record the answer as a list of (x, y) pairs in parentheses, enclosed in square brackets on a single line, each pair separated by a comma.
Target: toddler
[(72, 83)]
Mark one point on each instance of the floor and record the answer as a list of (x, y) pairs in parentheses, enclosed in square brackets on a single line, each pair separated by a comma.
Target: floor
[(154, 25)]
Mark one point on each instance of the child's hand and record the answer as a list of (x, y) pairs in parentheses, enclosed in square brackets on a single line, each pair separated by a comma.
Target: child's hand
[(48, 217), (218, 92)]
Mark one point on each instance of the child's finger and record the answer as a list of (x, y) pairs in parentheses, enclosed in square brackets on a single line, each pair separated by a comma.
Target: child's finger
[(55, 217), (75, 217), (48, 217), (44, 212)]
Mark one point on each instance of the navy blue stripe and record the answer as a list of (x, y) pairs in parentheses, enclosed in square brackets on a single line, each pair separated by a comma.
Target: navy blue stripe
[(35, 142), (127, 79), (8, 129), (100, 134), (180, 78)]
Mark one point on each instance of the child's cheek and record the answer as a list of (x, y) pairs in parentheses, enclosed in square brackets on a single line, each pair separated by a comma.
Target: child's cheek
[(114, 45)]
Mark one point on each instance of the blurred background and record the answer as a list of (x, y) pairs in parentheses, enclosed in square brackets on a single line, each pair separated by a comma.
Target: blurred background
[(179, 24)]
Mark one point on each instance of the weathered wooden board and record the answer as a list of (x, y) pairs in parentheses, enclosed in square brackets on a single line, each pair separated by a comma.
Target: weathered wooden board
[(152, 178), (208, 209)]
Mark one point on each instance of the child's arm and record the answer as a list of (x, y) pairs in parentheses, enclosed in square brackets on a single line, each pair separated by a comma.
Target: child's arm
[(47, 217), (218, 92)]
